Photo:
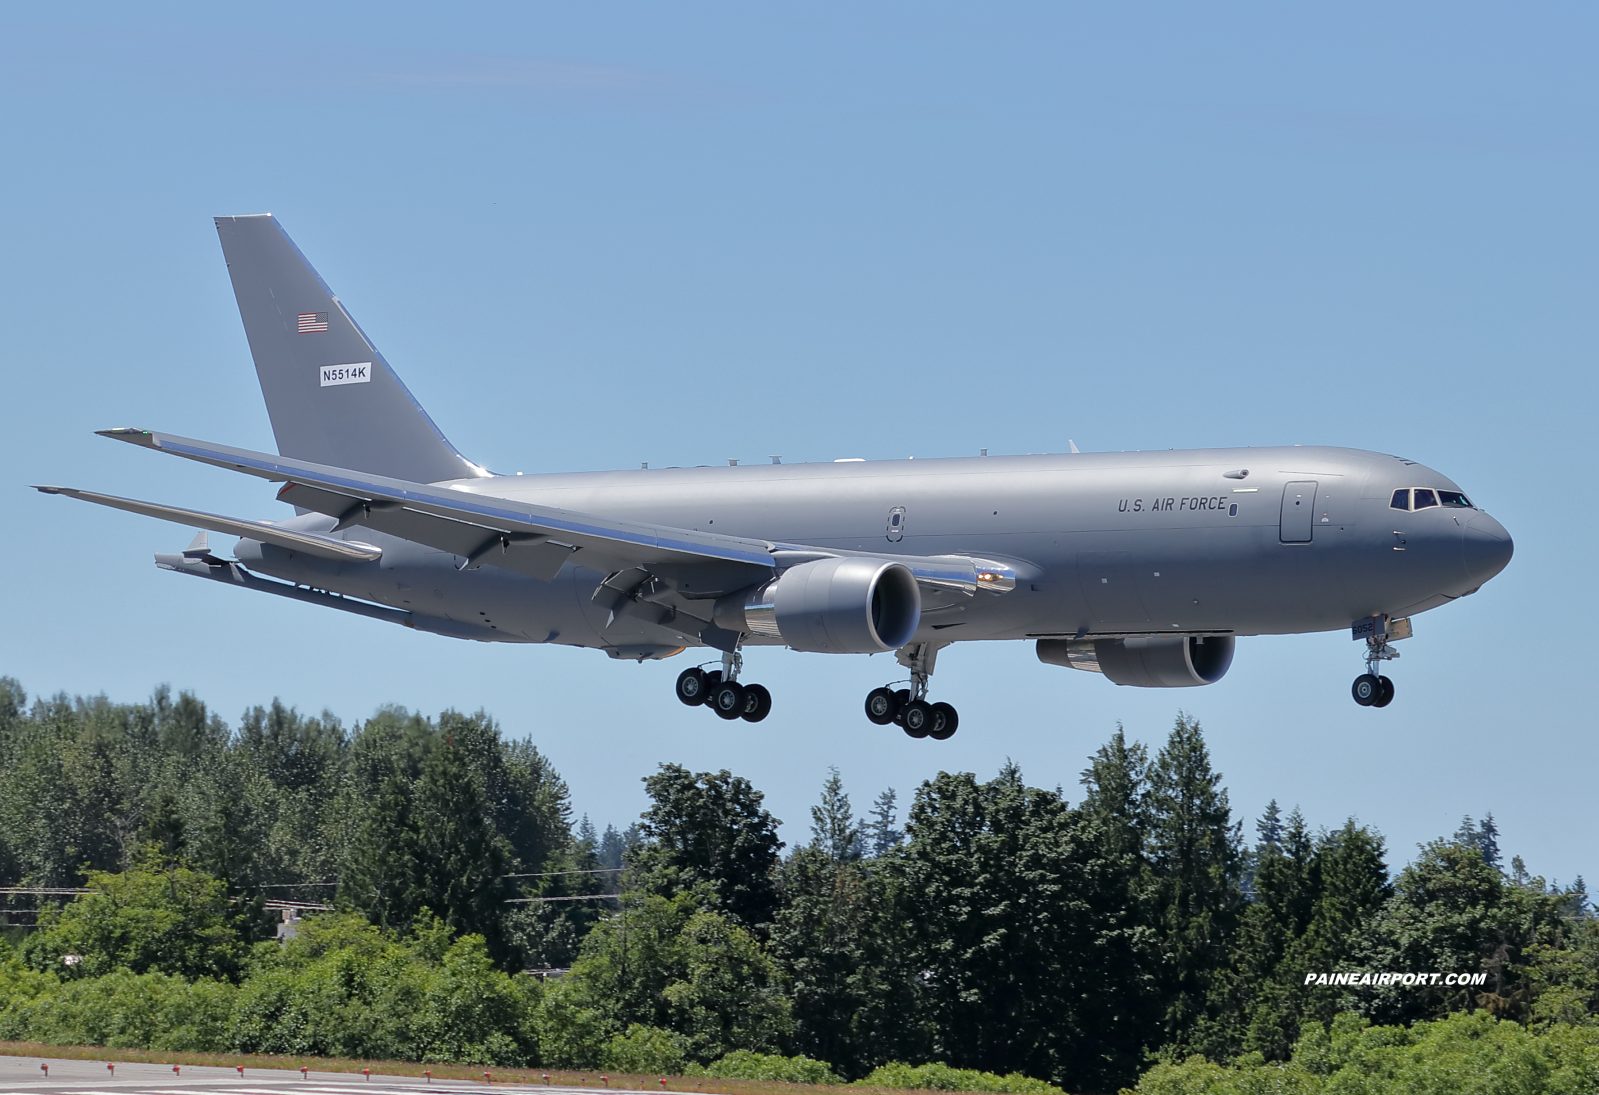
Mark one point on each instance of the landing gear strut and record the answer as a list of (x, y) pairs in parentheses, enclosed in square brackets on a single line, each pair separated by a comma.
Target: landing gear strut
[(721, 691), (1371, 689), (908, 707)]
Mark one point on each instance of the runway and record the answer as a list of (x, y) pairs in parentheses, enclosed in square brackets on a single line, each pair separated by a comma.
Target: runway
[(24, 1074)]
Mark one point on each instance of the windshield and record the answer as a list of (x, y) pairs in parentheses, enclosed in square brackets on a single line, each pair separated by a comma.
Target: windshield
[(1424, 499), (1453, 499)]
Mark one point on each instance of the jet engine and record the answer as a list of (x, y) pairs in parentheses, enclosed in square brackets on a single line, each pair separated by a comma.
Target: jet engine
[(832, 606), (1146, 661)]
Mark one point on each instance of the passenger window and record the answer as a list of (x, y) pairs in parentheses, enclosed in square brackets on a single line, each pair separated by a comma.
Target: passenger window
[(1453, 499), (1401, 499), (1425, 498)]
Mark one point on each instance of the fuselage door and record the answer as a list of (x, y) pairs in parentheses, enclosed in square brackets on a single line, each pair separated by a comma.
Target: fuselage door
[(1299, 512), (896, 524)]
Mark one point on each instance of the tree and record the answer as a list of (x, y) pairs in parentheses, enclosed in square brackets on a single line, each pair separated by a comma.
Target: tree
[(840, 944), (157, 916), (428, 842), (881, 831), (709, 829), (1012, 910), (670, 964), (1117, 794), (834, 829), (1194, 869)]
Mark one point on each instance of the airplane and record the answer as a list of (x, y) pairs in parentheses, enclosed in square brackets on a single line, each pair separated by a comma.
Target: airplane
[(1144, 567)]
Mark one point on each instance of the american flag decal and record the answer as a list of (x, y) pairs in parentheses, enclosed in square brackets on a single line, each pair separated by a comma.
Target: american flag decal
[(313, 321)]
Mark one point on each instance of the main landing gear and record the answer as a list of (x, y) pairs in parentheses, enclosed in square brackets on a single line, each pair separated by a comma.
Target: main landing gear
[(908, 707), (1371, 689), (721, 691)]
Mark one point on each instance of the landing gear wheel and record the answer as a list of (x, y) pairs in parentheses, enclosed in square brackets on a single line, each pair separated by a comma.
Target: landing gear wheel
[(1385, 695), (757, 703), (917, 718), (881, 706), (1367, 689), (727, 699), (945, 720), (712, 679), (901, 699), (692, 686)]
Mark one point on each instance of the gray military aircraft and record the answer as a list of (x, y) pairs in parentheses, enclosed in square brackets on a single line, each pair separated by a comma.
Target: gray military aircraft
[(1144, 567)]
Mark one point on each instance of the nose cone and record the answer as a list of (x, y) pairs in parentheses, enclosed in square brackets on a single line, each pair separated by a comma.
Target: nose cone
[(1485, 547)]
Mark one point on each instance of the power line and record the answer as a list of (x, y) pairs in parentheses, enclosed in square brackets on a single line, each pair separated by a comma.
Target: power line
[(554, 874)]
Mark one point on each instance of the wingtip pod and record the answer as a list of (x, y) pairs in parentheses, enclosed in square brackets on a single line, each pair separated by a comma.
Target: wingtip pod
[(49, 490)]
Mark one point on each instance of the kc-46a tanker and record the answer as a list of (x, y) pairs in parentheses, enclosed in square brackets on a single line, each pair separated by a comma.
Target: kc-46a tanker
[(1144, 567)]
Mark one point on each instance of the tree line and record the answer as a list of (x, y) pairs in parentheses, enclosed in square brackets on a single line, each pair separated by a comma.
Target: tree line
[(999, 927)]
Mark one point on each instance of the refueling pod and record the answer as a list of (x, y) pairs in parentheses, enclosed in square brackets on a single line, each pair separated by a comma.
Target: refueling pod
[(1146, 661), (832, 606)]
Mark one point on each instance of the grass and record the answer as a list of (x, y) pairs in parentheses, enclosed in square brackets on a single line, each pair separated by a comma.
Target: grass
[(527, 1076)]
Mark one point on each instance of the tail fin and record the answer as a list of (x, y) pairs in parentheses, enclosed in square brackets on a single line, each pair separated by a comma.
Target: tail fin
[(331, 396)]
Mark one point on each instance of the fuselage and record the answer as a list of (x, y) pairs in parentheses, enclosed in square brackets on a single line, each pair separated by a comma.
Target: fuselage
[(1234, 541)]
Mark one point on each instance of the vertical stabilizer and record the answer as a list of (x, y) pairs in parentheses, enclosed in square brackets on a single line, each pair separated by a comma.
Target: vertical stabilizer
[(331, 396)]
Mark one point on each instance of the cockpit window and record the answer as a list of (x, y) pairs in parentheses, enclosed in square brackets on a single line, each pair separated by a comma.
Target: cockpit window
[(1453, 499), (1425, 498), (1401, 499)]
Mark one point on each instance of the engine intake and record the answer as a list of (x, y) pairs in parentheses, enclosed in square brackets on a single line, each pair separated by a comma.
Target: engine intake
[(1152, 661), (832, 606)]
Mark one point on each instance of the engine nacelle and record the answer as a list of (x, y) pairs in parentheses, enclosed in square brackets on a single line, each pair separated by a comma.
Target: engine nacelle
[(1146, 661), (831, 606)]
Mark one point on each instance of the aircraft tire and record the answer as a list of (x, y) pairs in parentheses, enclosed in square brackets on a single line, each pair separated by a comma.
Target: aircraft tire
[(881, 706), (712, 679), (1366, 689), (727, 699), (1385, 695), (691, 686), (901, 698), (918, 718), (945, 721), (757, 703)]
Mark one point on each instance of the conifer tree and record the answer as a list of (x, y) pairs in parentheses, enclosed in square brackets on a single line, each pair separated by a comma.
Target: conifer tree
[(1194, 867)]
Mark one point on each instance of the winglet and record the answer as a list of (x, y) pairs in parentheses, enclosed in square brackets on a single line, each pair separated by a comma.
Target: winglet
[(1073, 444), (132, 435)]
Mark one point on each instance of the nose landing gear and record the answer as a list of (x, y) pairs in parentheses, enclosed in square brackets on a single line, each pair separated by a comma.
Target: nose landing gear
[(908, 707), (721, 691), (1371, 689)]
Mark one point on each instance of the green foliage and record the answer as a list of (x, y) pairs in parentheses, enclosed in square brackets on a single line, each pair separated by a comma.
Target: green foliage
[(1015, 924), (644, 1050), (1465, 1054), (344, 988), (341, 988), (707, 831), (1003, 931), (668, 964), (151, 919), (1194, 866), (940, 1077), (744, 1064), (125, 1009)]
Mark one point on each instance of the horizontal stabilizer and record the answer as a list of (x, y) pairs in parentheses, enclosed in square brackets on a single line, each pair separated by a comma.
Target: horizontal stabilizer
[(328, 547)]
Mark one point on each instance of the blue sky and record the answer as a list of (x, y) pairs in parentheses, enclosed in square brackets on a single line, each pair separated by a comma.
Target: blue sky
[(588, 236)]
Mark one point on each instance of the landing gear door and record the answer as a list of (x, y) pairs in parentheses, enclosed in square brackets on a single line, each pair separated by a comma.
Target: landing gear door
[(1299, 511)]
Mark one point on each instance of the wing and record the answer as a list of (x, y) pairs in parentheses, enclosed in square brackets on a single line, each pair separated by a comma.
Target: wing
[(660, 574), (518, 536)]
